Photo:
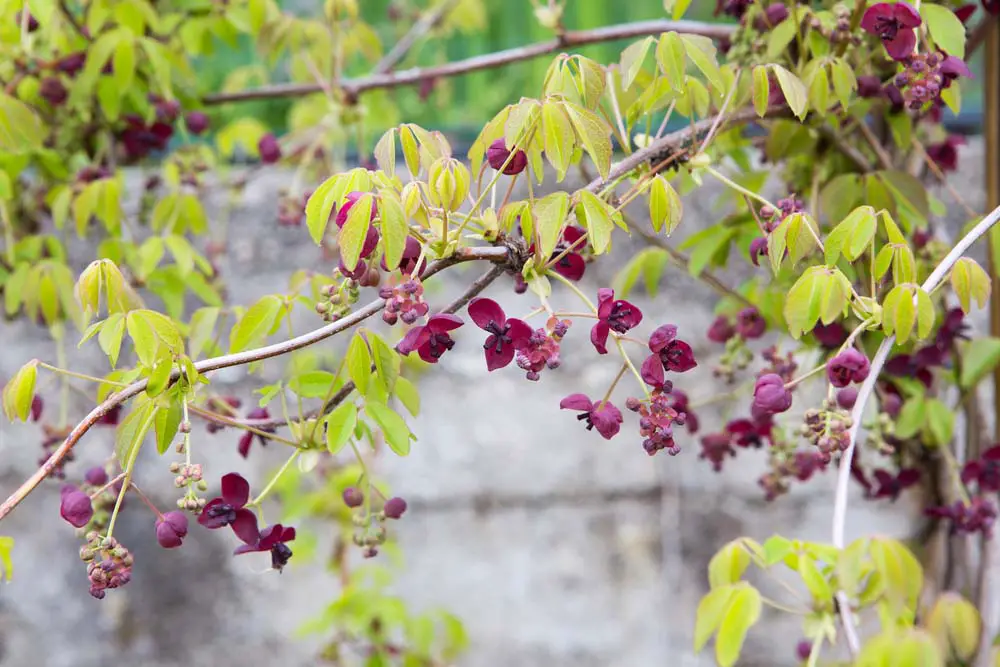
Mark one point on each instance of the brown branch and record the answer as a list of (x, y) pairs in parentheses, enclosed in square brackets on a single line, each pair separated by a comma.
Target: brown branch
[(354, 87), (495, 254), (428, 22)]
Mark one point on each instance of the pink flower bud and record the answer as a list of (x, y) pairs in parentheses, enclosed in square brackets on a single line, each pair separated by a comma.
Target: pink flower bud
[(75, 506), (394, 508), (171, 529)]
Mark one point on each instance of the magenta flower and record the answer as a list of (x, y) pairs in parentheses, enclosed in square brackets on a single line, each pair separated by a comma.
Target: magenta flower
[(171, 529), (669, 354), (606, 418), (847, 397), (612, 315), (830, 336), (431, 340), (890, 486), (770, 396), (775, 13), (75, 506), (750, 323), (985, 471), (758, 249), (269, 149), (945, 153), (141, 139), (716, 448), (497, 155), (571, 265), (951, 68), (747, 433), (847, 367), (230, 509), (37, 405), (506, 335), (273, 539), (353, 497), (721, 330), (893, 23), (248, 436), (394, 508)]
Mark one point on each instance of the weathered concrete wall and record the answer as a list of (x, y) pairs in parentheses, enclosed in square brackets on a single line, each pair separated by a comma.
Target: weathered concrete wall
[(556, 547)]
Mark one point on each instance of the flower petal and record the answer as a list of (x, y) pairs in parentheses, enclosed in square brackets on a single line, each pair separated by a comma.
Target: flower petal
[(425, 353), (662, 336), (495, 359), (245, 526), (444, 322), (901, 46), (607, 420), (244, 445), (599, 336), (235, 489), (576, 402), (906, 15), (634, 316), (484, 311), (415, 338), (605, 302), (880, 10), (652, 371), (571, 266), (519, 332)]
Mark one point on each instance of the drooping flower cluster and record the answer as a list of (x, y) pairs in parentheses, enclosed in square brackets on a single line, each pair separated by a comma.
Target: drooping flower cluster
[(403, 300), (371, 533), (978, 516), (828, 430), (926, 75), (984, 471), (615, 315), (109, 564), (657, 418), (542, 349)]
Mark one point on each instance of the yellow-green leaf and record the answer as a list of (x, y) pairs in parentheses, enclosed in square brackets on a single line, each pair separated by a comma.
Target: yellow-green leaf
[(550, 215), (593, 212), (340, 426), (594, 135), (711, 611), (256, 323), (743, 612), (359, 363), (794, 90), (355, 230), (945, 28), (728, 565), (761, 89), (397, 433), (19, 392)]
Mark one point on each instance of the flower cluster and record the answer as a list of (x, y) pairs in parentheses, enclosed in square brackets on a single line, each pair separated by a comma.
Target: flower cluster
[(657, 418), (926, 75), (978, 516), (542, 349), (109, 564), (894, 24), (828, 430), (371, 532), (403, 300)]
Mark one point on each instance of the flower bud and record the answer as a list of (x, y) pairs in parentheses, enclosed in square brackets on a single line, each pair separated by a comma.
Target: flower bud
[(770, 396), (96, 476), (721, 330), (846, 397), (196, 121), (171, 529), (394, 508), (75, 507), (847, 367), (270, 151), (497, 155), (449, 183), (353, 497)]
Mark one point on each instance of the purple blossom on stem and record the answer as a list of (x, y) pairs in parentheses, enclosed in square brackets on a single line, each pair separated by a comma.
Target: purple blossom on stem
[(273, 539), (893, 23), (431, 340), (612, 315), (506, 335), (984, 471), (606, 418), (75, 506), (669, 354), (847, 367), (248, 436), (497, 154), (171, 529), (770, 396), (230, 509), (890, 486)]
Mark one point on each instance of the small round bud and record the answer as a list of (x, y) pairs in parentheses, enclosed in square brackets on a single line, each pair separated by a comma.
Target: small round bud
[(353, 497), (394, 508), (175, 467)]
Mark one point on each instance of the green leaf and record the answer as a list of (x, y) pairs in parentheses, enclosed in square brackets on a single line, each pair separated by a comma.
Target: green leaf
[(201, 329), (794, 90), (980, 356), (594, 134), (680, 6), (819, 89), (852, 236), (340, 426), (711, 611), (970, 281), (945, 28), (385, 152), (814, 580), (558, 137), (256, 323), (702, 52), (632, 59), (761, 89), (20, 391), (312, 384), (940, 422), (6, 562), (743, 612), (728, 565), (355, 230), (393, 427), (387, 362), (844, 81), (132, 431), (911, 417), (670, 55), (925, 313), (165, 425), (143, 337), (595, 215), (408, 395), (665, 207), (779, 37), (359, 363), (901, 571), (550, 217), (706, 245), (804, 302), (776, 549), (159, 372), (394, 226), (21, 131), (899, 313), (123, 62), (110, 338), (320, 206)]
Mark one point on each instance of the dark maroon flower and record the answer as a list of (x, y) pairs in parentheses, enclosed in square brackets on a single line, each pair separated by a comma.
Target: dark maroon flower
[(394, 508), (770, 396), (721, 330), (31, 21), (952, 326), (892, 404), (408, 262), (890, 486), (869, 86), (53, 90), (775, 13), (750, 323), (96, 476), (506, 335), (269, 149), (606, 418), (895, 97), (37, 405), (497, 155), (140, 139), (612, 315), (758, 249), (679, 402), (965, 12), (847, 367), (230, 508), (196, 121), (831, 336), (273, 539), (571, 265), (921, 237), (171, 529), (248, 436), (72, 63), (716, 447), (893, 23), (110, 418), (353, 497), (847, 397), (431, 340), (166, 110), (734, 8), (985, 471), (977, 516), (992, 6), (945, 153), (75, 506), (669, 354), (751, 433)]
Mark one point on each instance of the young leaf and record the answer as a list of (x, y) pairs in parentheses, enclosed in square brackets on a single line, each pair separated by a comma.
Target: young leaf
[(670, 55), (970, 281), (20, 391), (595, 215), (385, 152), (898, 313), (632, 59), (852, 236), (665, 208), (355, 230), (320, 206), (550, 217), (594, 135), (6, 562), (200, 330), (132, 431), (558, 137), (256, 323), (387, 362), (844, 81), (359, 363), (165, 425), (945, 28), (340, 426), (979, 357), (794, 91), (804, 302), (408, 395), (394, 226), (393, 427), (711, 611), (940, 422), (701, 50), (743, 612), (761, 89), (312, 384), (728, 565)]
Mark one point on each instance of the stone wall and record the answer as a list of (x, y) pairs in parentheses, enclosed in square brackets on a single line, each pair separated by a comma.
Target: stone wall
[(557, 548)]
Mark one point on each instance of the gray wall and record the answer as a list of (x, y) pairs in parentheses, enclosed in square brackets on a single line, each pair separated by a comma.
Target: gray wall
[(556, 548)]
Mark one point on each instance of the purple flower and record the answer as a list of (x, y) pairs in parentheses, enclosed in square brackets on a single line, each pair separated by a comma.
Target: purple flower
[(171, 529), (945, 153), (571, 265), (758, 249), (951, 68), (230, 508), (770, 396), (394, 508), (248, 436), (830, 336), (992, 6), (890, 486), (273, 539), (721, 330), (506, 335), (612, 315), (893, 23), (96, 476), (847, 367), (847, 397), (775, 13), (750, 323), (497, 154), (747, 433), (431, 340), (75, 506), (353, 497), (269, 149), (408, 262), (37, 405), (869, 86), (606, 418), (715, 448), (140, 139), (985, 471), (196, 121)]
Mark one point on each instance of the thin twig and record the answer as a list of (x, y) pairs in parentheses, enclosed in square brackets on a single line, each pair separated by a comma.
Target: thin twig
[(884, 159), (354, 87), (865, 392), (428, 22), (852, 153), (64, 8)]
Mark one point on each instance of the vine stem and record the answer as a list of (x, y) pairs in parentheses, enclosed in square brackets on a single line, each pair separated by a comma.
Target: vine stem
[(864, 393), (353, 87), (495, 254), (274, 480)]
